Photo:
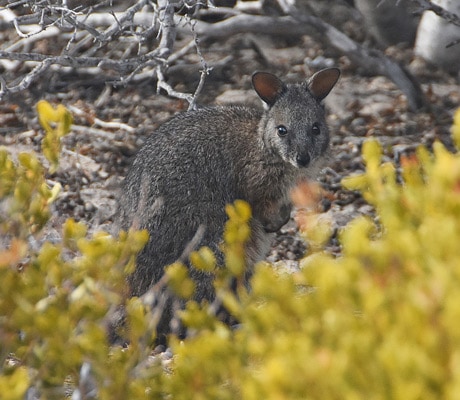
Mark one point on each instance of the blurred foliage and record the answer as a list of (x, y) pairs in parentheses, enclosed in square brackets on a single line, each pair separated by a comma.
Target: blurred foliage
[(55, 300), (379, 322), (56, 122)]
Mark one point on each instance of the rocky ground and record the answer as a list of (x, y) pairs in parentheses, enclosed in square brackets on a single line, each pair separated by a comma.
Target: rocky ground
[(111, 123)]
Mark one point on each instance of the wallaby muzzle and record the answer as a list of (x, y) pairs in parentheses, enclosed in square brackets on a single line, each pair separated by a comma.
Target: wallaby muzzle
[(303, 160)]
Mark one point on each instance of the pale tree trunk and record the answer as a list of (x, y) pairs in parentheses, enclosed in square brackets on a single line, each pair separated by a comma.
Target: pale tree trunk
[(435, 33)]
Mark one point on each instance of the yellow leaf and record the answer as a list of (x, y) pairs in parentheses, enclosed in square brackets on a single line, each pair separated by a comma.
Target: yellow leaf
[(15, 385), (45, 114), (243, 210), (59, 115), (55, 192), (372, 153), (239, 211), (65, 119), (203, 259), (179, 280), (355, 182), (56, 122)]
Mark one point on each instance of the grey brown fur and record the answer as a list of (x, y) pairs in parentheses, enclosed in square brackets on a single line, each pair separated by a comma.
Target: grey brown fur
[(199, 161)]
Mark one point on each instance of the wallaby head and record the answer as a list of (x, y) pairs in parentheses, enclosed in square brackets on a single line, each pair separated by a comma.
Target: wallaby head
[(294, 126)]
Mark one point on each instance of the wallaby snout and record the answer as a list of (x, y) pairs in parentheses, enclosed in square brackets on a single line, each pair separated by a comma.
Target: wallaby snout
[(303, 160)]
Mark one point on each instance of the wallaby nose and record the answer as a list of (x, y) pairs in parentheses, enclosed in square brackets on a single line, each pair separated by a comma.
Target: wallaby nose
[(303, 160)]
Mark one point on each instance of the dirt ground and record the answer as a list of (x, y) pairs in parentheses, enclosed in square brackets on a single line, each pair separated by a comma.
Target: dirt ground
[(111, 123)]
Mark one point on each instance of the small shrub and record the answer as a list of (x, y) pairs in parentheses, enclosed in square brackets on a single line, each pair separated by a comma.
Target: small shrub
[(55, 301)]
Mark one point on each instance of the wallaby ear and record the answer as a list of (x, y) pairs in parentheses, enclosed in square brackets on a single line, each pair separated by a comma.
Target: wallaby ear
[(267, 86), (321, 83)]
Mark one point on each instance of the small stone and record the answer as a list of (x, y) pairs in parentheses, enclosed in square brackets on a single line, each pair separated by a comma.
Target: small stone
[(103, 174), (89, 207)]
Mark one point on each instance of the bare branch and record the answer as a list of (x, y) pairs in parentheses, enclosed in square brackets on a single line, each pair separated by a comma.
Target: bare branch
[(121, 66), (161, 84), (124, 19), (27, 80), (168, 28), (72, 20), (98, 122), (139, 22), (199, 88), (454, 43), (243, 23), (204, 71), (428, 5), (25, 35)]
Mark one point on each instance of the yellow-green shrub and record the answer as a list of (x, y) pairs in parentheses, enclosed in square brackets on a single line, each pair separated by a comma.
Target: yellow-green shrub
[(380, 322), (55, 301)]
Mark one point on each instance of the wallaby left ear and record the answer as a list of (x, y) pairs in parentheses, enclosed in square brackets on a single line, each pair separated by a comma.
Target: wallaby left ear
[(267, 86), (321, 83)]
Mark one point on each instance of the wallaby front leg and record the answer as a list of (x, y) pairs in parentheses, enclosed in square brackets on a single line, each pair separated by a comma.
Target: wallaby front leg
[(273, 223)]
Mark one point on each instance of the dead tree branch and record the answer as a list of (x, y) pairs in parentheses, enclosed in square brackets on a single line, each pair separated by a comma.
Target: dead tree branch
[(158, 23), (428, 5)]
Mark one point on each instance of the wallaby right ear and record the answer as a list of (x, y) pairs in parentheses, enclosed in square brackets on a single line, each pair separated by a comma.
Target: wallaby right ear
[(321, 83), (267, 86)]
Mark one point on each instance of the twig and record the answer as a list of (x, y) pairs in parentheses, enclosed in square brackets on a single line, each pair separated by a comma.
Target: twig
[(29, 39), (286, 26), (204, 71), (193, 243), (26, 35), (113, 125), (92, 131), (99, 122), (454, 43), (27, 80), (168, 28), (121, 66), (123, 19), (84, 27), (199, 88), (3, 87), (428, 5), (168, 36), (161, 84)]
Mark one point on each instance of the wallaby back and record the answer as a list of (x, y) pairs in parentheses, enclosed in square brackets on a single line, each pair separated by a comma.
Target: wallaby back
[(199, 161)]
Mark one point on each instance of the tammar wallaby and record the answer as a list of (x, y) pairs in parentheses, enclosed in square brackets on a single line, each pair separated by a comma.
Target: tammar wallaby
[(199, 161)]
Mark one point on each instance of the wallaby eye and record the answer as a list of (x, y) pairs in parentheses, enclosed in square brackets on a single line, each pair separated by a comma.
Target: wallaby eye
[(282, 130), (315, 129)]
